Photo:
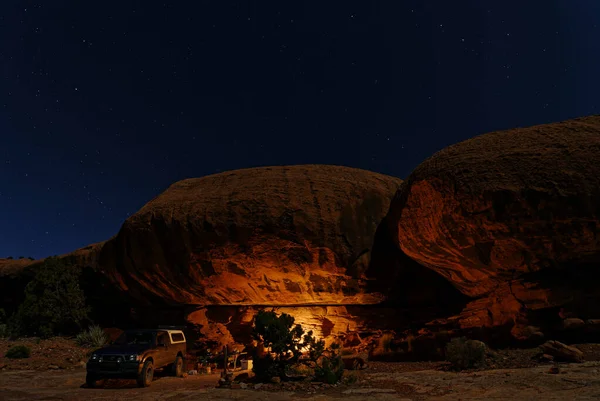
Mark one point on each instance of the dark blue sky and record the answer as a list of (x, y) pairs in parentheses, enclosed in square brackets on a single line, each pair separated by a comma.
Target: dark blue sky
[(104, 104)]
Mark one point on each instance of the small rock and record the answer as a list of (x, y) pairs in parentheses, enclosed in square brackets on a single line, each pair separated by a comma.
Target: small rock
[(573, 323), (554, 370), (53, 367), (257, 386), (236, 386), (184, 375), (243, 386), (192, 372), (276, 380), (547, 357), (593, 324)]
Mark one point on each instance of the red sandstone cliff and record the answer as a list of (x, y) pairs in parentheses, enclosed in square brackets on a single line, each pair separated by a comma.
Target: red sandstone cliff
[(260, 236), (508, 218)]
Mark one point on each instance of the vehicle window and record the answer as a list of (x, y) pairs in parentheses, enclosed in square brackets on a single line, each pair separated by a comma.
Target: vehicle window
[(176, 337), (135, 337), (161, 338)]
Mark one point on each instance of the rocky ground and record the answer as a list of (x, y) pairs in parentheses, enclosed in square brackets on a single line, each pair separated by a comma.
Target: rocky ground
[(573, 382), (56, 353), (55, 371)]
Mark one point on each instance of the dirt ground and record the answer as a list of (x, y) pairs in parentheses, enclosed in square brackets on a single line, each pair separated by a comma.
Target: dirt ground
[(55, 372), (574, 382)]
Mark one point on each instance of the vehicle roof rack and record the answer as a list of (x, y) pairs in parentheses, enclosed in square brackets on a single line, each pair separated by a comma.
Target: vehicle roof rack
[(166, 327)]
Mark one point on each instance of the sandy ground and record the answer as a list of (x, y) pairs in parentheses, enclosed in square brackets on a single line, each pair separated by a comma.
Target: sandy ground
[(55, 371), (574, 382)]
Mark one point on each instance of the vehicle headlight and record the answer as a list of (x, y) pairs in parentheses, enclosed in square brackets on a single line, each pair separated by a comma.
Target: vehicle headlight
[(132, 357), (94, 357)]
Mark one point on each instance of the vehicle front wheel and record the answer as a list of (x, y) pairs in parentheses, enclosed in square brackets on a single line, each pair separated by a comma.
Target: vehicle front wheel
[(92, 380), (146, 375), (177, 367)]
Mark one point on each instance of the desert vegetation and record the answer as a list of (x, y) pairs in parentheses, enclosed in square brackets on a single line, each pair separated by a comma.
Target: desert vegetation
[(54, 304), (18, 352), (93, 337), (288, 348)]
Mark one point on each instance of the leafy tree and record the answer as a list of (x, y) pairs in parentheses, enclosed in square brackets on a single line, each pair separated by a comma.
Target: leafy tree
[(54, 303)]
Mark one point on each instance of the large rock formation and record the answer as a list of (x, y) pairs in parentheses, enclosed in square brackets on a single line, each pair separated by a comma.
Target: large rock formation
[(509, 218), (297, 235), (221, 246), (211, 251)]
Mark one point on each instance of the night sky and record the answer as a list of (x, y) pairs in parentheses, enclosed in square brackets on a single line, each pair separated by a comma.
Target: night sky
[(104, 104)]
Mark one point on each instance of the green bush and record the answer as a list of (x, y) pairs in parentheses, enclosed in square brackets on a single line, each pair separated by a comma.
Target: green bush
[(465, 354), (282, 339), (285, 343), (94, 337), (54, 303), (18, 352), (4, 331), (329, 368)]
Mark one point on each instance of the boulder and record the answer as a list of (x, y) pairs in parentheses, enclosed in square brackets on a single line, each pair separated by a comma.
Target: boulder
[(562, 352), (509, 219), (504, 204)]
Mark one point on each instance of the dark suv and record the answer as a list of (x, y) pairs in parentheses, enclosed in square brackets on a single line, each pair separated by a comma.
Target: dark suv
[(135, 355)]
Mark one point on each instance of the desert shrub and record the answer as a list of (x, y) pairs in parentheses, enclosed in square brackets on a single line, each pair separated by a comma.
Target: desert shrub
[(285, 342), (282, 338), (18, 352), (329, 367), (4, 328), (94, 337), (54, 303), (465, 354)]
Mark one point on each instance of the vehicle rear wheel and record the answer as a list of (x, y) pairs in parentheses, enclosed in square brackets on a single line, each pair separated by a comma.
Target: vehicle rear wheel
[(144, 378), (92, 380), (177, 367)]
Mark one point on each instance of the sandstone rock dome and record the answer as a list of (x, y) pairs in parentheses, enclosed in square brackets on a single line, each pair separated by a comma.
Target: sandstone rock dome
[(295, 235), (503, 204)]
